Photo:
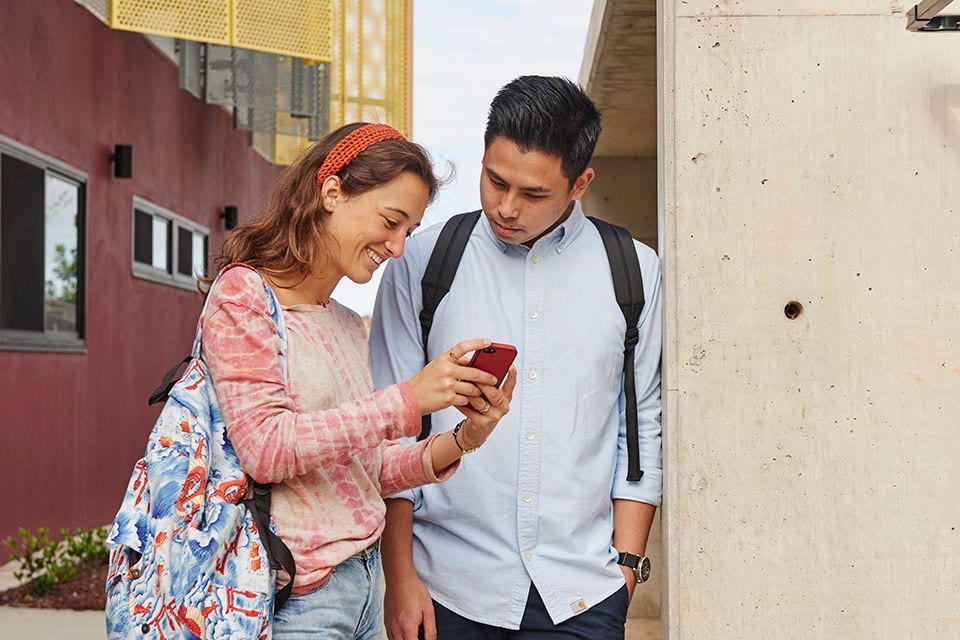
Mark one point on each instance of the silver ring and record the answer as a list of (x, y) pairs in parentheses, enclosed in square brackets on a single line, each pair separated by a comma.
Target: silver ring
[(485, 409)]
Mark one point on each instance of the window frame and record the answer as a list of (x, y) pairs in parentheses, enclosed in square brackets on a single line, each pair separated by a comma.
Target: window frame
[(177, 222), (54, 341)]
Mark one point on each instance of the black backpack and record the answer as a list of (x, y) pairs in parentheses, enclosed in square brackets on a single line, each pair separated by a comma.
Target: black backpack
[(627, 284)]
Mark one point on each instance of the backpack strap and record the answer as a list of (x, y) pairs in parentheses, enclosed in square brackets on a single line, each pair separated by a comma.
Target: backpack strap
[(278, 554), (438, 277), (628, 286)]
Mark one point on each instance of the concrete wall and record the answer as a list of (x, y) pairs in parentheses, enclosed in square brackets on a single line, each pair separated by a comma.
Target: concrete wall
[(809, 153), (625, 192)]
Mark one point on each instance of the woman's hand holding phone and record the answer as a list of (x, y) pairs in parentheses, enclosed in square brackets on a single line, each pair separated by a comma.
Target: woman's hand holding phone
[(445, 381), (483, 396), (485, 412)]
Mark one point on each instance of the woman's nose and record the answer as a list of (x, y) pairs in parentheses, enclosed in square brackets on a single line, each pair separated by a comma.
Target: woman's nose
[(394, 245)]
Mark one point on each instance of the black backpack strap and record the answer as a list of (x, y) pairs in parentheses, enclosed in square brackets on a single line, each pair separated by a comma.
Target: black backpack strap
[(628, 286), (161, 393), (438, 277), (278, 553)]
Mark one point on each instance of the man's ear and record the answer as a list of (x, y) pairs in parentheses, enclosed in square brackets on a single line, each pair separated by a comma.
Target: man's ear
[(330, 193), (581, 183)]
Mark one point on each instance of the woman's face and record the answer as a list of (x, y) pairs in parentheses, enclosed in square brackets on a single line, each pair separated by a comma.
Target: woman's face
[(370, 227)]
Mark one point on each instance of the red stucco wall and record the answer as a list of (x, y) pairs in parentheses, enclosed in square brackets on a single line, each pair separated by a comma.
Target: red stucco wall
[(72, 425)]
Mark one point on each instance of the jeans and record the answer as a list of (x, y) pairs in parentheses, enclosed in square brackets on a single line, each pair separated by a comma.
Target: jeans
[(348, 606)]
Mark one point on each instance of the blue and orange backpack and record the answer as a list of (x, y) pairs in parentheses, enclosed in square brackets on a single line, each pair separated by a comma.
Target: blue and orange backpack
[(192, 552)]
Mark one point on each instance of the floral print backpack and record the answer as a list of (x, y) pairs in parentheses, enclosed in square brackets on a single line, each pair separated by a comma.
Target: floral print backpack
[(192, 549)]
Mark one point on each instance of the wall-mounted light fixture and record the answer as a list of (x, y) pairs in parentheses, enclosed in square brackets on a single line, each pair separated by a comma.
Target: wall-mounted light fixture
[(923, 17), (230, 215), (122, 159)]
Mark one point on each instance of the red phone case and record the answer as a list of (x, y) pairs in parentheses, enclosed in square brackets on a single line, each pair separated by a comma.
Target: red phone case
[(495, 359)]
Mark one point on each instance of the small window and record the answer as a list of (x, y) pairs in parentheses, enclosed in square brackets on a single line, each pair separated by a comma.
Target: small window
[(168, 248), (41, 251)]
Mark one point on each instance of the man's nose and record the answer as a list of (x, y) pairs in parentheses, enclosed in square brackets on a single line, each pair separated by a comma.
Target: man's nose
[(508, 205)]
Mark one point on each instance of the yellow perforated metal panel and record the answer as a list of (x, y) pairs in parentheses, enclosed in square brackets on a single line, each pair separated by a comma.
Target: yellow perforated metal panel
[(373, 66), (301, 28), (204, 20), (277, 147)]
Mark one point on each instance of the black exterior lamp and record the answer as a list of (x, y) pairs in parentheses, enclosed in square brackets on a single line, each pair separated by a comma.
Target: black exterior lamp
[(230, 215), (122, 159)]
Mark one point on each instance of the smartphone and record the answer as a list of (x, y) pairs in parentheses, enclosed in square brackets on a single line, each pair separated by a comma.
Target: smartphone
[(495, 359)]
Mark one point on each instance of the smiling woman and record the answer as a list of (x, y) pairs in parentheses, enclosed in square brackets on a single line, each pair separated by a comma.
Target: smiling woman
[(372, 226), (290, 370)]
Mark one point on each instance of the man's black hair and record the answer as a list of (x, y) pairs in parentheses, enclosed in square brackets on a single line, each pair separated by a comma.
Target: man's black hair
[(548, 114)]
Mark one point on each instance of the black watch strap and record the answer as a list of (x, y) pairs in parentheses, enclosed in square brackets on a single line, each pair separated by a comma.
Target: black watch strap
[(629, 560)]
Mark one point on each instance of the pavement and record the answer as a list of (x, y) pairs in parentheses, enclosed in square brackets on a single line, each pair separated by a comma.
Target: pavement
[(20, 623), (17, 623)]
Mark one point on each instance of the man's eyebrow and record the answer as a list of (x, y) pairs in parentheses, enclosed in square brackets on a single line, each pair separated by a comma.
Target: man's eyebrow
[(493, 174)]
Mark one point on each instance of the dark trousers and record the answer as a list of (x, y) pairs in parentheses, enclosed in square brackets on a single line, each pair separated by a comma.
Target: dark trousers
[(605, 621)]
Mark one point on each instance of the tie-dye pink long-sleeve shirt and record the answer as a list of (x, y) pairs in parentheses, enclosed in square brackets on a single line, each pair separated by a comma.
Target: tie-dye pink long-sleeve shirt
[(323, 439)]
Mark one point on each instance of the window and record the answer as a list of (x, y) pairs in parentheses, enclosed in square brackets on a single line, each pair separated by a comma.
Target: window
[(42, 207), (168, 248)]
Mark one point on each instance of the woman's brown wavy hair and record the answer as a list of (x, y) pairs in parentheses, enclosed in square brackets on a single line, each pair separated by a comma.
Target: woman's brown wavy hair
[(290, 236)]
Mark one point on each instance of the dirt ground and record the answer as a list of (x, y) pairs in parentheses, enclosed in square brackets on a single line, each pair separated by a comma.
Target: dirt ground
[(84, 592)]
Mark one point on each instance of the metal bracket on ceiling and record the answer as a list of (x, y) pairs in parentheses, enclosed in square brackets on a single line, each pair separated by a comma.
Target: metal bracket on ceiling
[(923, 17)]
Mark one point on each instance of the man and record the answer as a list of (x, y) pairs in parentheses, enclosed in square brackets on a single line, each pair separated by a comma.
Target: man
[(526, 535)]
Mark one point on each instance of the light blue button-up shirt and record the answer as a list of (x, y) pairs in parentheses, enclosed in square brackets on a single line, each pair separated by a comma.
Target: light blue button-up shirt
[(535, 501)]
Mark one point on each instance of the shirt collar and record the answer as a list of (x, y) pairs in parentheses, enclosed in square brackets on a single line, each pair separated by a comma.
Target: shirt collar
[(556, 241)]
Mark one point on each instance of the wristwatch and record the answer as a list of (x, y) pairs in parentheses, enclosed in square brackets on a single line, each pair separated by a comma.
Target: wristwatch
[(639, 564)]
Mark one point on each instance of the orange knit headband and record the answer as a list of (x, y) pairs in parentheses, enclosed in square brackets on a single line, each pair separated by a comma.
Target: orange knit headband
[(353, 145)]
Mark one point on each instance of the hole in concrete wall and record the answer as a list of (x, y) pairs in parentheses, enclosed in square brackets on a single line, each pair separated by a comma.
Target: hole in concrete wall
[(793, 310)]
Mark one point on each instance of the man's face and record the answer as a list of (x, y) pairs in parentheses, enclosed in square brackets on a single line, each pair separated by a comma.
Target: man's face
[(524, 194)]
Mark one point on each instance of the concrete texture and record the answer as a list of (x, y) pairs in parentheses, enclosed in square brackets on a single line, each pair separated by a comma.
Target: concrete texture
[(810, 261)]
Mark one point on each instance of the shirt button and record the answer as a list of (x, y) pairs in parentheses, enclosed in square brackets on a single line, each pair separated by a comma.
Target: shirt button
[(528, 557), (534, 259), (533, 314), (528, 435), (532, 375), (527, 497)]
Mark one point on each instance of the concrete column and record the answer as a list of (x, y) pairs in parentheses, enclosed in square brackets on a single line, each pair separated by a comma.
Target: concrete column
[(811, 246)]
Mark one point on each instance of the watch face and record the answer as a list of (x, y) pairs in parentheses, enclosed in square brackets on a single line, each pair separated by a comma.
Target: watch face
[(643, 571)]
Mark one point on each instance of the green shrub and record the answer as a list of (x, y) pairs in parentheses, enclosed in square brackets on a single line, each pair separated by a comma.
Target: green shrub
[(45, 562)]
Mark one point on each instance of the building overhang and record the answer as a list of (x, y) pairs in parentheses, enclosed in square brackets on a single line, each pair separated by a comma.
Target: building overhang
[(619, 71)]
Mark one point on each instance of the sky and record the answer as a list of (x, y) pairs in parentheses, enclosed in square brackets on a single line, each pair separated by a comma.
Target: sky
[(463, 52)]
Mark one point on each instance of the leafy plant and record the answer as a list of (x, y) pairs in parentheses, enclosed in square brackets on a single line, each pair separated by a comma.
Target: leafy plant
[(44, 562)]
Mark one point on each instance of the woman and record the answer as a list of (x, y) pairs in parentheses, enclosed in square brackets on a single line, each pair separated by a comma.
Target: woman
[(319, 433)]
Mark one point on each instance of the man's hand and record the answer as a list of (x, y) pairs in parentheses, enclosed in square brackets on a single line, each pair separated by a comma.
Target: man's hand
[(407, 606)]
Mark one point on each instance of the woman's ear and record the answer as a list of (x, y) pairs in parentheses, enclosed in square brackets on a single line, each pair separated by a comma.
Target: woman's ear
[(330, 193)]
